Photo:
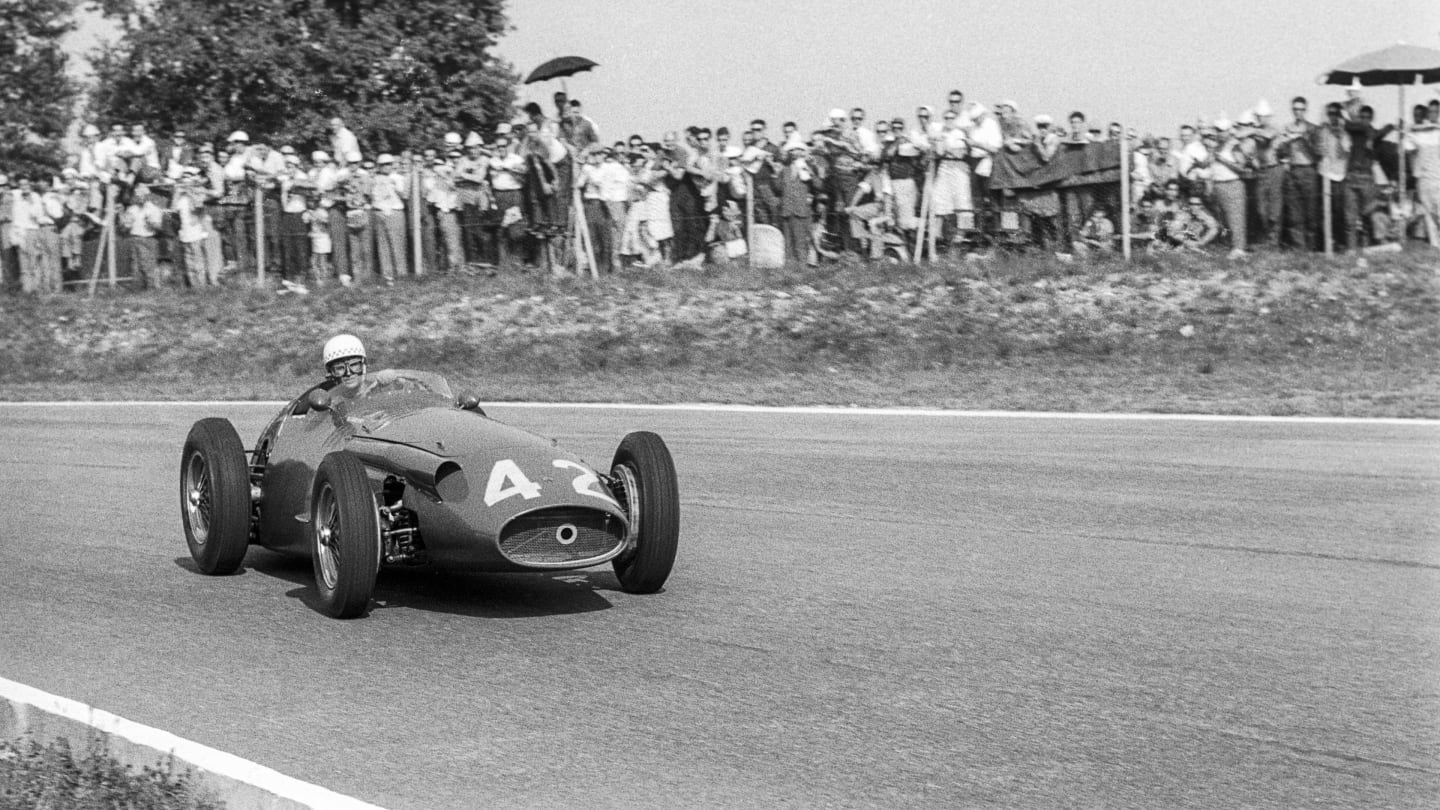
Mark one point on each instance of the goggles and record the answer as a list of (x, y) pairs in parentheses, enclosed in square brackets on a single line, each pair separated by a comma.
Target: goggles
[(340, 369)]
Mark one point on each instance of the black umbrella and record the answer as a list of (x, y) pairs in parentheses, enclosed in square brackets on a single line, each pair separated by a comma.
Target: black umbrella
[(560, 67)]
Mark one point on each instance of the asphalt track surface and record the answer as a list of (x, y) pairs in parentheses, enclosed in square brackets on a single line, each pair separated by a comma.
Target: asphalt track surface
[(867, 611)]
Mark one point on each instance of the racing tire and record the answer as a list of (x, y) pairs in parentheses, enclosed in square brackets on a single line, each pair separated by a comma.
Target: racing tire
[(643, 463), (344, 536), (215, 496)]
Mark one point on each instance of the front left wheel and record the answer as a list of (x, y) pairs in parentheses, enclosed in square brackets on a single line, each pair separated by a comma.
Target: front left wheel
[(646, 485), (215, 496), (344, 536)]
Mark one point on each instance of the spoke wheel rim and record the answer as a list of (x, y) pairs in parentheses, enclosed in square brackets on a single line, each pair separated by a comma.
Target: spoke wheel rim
[(629, 498), (327, 529), (197, 497)]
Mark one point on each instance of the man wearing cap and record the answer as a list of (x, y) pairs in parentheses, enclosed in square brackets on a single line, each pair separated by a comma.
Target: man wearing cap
[(293, 229), (202, 266), (359, 218), (1226, 173), (845, 155), (795, 183), (471, 180), (442, 196), (327, 180), (140, 223), (1043, 204), (1269, 175), (387, 199), (234, 216), (263, 168)]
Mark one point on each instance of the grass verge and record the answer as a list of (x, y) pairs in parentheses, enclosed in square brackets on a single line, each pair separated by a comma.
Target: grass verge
[(35, 776), (1278, 334)]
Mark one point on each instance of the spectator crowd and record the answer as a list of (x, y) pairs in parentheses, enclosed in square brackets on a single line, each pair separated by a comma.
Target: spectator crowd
[(493, 201)]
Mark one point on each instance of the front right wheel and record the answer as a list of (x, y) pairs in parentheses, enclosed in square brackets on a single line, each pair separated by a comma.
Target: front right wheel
[(215, 496), (646, 485), (344, 536)]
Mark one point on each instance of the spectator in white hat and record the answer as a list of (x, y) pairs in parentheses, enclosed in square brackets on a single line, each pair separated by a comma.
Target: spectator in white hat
[(795, 185), (387, 199), (1227, 173), (199, 247), (1269, 175), (473, 196)]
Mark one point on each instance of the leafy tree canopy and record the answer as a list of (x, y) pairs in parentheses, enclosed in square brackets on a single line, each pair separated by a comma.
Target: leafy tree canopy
[(36, 96), (398, 71)]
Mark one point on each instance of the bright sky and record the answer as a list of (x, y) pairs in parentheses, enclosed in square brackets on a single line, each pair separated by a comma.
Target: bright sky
[(666, 64)]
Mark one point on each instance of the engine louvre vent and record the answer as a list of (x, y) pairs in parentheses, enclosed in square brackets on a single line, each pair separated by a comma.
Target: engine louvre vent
[(561, 536)]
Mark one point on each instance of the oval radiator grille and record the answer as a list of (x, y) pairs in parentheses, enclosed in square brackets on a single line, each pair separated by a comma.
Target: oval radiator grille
[(560, 536)]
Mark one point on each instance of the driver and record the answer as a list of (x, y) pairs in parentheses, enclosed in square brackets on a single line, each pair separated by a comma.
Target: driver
[(344, 357)]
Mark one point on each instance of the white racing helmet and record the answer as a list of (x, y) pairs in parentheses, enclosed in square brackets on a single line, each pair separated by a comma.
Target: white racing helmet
[(341, 347)]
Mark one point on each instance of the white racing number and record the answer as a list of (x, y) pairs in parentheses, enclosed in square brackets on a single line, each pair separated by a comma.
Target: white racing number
[(587, 482), (507, 480)]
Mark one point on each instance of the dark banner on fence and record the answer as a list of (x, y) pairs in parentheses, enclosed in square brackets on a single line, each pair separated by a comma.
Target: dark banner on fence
[(1075, 164)]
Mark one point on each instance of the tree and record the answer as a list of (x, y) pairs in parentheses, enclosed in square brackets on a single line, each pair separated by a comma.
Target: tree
[(398, 71), (36, 96)]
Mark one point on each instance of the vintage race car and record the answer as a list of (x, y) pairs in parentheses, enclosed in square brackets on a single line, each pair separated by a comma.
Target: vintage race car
[(405, 474)]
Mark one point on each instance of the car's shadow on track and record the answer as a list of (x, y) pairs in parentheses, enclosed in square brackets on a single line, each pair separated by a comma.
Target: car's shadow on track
[(489, 596)]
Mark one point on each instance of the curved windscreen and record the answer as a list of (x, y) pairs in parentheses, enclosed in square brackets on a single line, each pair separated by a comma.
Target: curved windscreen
[(394, 391)]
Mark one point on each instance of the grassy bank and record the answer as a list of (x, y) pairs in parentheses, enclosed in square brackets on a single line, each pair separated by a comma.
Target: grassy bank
[(52, 776), (1271, 335)]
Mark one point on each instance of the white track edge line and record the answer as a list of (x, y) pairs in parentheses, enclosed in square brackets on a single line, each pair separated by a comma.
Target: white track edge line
[(806, 409), (201, 756)]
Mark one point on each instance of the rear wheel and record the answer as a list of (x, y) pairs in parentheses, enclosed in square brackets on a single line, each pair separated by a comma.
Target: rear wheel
[(215, 496), (344, 536), (645, 480)]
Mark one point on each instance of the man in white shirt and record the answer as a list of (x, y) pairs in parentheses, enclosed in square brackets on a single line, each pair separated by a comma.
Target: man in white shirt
[(235, 214), (342, 141), (1423, 144), (144, 150), (507, 179), (1226, 171), (613, 179), (441, 194), (106, 153), (865, 135), (140, 223), (25, 209), (387, 199), (89, 140)]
